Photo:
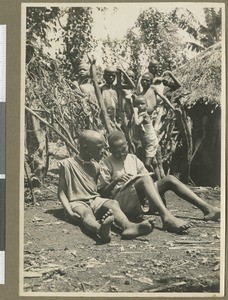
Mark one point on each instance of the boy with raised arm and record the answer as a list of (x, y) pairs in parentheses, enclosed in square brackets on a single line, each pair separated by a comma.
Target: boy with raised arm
[(78, 192), (124, 177)]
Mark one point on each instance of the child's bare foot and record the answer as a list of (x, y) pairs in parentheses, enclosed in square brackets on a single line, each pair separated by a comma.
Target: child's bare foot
[(105, 228), (212, 214), (173, 224), (137, 229)]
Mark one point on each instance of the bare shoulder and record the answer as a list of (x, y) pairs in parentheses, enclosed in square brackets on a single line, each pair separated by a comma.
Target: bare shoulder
[(154, 87)]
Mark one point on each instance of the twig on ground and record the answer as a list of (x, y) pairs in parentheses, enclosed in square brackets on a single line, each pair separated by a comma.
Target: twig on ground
[(195, 242), (196, 247), (30, 183), (54, 192), (164, 288)]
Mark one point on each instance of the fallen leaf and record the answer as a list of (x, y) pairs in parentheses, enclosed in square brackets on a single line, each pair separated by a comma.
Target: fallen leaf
[(122, 248), (117, 276), (217, 267), (217, 236), (74, 253), (204, 260), (144, 280), (32, 274), (36, 219), (204, 235)]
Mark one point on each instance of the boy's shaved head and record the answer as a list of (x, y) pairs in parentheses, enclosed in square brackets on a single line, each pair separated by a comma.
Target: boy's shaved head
[(110, 75), (153, 62), (115, 136), (130, 73), (90, 136), (110, 69), (83, 66), (91, 145), (140, 99), (148, 75)]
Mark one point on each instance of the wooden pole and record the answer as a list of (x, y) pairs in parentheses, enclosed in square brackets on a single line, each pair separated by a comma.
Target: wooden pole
[(70, 145), (99, 95)]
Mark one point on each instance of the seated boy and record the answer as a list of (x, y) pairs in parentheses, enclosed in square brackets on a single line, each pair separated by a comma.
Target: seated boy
[(78, 192), (124, 177)]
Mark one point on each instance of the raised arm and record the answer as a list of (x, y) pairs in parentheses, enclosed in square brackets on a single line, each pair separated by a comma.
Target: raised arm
[(137, 119), (130, 84), (163, 98), (175, 80)]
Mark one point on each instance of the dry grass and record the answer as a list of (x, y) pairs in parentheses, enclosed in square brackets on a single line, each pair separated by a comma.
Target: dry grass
[(201, 77)]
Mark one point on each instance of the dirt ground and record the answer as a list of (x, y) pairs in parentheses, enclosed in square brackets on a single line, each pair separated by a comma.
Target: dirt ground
[(60, 256)]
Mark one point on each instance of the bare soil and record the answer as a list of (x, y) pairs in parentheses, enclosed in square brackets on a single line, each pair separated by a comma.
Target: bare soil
[(60, 256)]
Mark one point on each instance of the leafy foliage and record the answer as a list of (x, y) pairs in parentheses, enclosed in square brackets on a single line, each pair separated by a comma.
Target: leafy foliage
[(47, 87), (77, 38), (42, 23), (153, 35), (204, 35), (161, 37), (38, 22), (117, 49)]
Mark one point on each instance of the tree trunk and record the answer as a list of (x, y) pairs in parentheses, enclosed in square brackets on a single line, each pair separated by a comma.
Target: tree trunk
[(184, 126), (104, 115), (37, 147)]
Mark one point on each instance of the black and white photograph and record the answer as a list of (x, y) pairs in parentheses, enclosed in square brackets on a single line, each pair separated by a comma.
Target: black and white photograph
[(122, 149)]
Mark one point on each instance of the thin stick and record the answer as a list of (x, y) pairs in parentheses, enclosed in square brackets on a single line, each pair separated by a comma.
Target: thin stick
[(99, 95), (30, 184), (194, 242), (196, 247), (53, 128), (160, 289)]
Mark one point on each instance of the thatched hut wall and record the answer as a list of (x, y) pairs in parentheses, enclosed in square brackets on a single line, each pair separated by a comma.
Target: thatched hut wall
[(201, 80)]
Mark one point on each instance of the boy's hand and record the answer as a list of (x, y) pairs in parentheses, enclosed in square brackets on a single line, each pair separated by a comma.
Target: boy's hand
[(119, 69), (166, 73), (144, 114), (122, 177), (91, 58)]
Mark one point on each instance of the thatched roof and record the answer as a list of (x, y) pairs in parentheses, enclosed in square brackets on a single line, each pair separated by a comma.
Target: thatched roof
[(201, 77)]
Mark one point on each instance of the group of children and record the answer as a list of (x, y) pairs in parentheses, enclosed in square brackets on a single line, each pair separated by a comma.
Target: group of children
[(113, 191), (140, 104)]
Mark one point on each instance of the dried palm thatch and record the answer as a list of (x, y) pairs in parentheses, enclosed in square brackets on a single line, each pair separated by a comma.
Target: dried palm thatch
[(48, 92), (201, 78)]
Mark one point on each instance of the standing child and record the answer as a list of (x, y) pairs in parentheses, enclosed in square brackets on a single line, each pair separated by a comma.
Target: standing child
[(109, 94), (143, 130), (124, 177)]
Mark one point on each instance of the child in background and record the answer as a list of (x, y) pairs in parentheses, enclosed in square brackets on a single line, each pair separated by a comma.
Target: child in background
[(109, 94), (143, 131)]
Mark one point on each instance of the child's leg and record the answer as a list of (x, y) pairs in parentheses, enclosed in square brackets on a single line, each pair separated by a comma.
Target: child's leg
[(148, 163), (145, 188), (158, 158), (156, 168), (130, 230), (173, 184), (103, 229)]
